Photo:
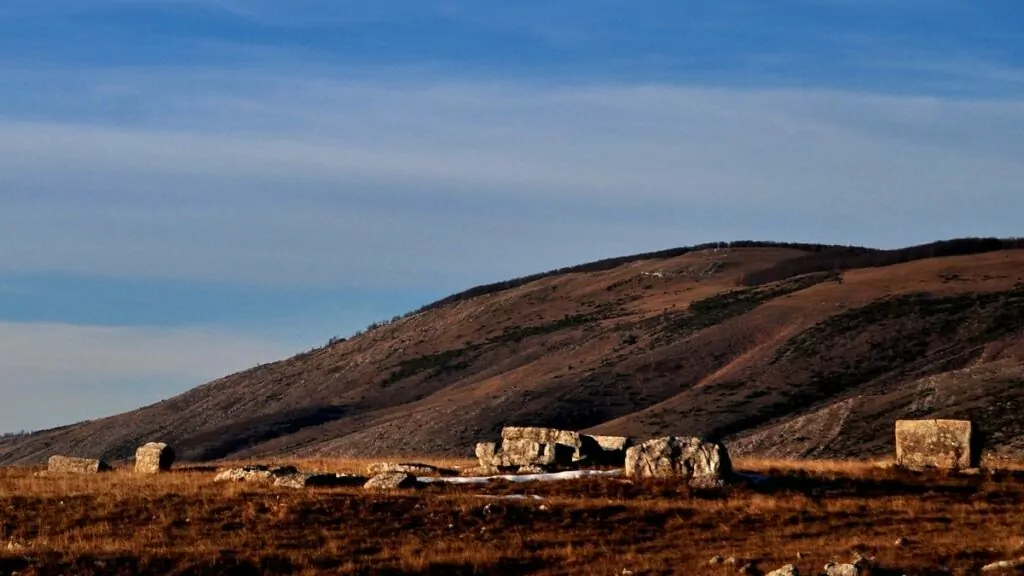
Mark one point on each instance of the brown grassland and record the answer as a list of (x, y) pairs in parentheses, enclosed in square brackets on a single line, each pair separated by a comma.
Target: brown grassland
[(184, 523)]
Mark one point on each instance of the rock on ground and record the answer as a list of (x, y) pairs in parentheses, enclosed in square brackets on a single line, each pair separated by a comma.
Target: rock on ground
[(481, 471), (410, 468), (787, 570), (153, 458), (69, 465), (583, 448), (303, 480), (841, 570), (255, 474), (531, 470), (706, 464), (946, 444), (391, 481), (1004, 565)]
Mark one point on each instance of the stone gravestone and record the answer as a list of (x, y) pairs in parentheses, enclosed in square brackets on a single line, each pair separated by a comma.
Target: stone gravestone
[(945, 444), (153, 458), (68, 465), (705, 464)]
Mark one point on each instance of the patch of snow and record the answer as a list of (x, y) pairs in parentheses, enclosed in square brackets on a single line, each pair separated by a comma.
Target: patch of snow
[(522, 478)]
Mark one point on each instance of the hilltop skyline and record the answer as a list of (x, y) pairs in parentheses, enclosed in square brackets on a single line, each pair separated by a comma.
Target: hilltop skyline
[(192, 187)]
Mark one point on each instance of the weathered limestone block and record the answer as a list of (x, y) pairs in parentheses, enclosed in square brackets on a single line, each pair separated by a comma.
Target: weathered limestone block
[(391, 481), (706, 464), (153, 458), (516, 453), (256, 473), (582, 447), (946, 444), (411, 468), (68, 465), (488, 454)]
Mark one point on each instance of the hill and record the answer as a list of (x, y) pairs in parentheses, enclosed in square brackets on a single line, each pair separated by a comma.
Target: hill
[(780, 350)]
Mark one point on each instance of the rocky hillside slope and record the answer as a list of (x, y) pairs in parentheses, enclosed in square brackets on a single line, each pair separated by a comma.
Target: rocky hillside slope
[(780, 350)]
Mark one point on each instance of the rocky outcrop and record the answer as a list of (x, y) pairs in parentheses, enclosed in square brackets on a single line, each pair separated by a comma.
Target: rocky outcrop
[(69, 465), (265, 474), (153, 458), (409, 468), (945, 444), (391, 481), (705, 464)]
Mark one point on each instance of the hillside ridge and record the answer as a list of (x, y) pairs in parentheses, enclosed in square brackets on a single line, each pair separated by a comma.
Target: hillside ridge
[(794, 350)]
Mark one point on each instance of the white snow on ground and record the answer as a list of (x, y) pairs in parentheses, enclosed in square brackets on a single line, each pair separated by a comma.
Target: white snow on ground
[(511, 497), (522, 478)]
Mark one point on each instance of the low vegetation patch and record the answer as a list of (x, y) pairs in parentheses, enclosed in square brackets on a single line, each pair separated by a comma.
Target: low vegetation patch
[(807, 514)]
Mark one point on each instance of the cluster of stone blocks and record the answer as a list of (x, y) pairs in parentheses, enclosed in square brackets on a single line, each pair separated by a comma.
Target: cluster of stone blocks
[(532, 449), (527, 450), (151, 458)]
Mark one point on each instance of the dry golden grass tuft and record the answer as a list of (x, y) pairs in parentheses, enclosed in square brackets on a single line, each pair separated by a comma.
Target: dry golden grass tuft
[(184, 523)]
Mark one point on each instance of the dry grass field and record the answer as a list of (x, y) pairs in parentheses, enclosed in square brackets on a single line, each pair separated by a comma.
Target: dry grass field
[(805, 513)]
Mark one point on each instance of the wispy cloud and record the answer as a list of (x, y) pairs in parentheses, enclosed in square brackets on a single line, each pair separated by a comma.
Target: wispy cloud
[(307, 180)]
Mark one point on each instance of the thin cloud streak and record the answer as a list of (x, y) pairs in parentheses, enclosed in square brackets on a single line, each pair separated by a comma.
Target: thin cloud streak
[(307, 181)]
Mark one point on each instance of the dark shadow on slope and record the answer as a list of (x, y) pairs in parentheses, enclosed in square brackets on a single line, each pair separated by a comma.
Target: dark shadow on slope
[(241, 435)]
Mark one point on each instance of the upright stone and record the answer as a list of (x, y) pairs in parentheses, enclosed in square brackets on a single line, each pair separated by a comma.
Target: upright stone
[(153, 458), (487, 454), (68, 465), (705, 464), (945, 444)]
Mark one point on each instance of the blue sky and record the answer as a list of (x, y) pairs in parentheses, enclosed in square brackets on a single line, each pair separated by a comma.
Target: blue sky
[(192, 187)]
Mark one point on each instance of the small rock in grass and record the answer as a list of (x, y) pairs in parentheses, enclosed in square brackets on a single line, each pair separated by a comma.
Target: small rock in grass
[(787, 570), (391, 481), (716, 561), (832, 569), (1004, 565)]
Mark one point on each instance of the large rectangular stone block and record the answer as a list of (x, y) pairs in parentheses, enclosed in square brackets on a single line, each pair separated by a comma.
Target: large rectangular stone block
[(68, 465), (945, 444), (583, 447)]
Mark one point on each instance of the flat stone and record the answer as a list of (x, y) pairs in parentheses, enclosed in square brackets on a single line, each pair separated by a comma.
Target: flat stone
[(391, 481), (1003, 565), (841, 570), (410, 468), (257, 473), (69, 465)]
